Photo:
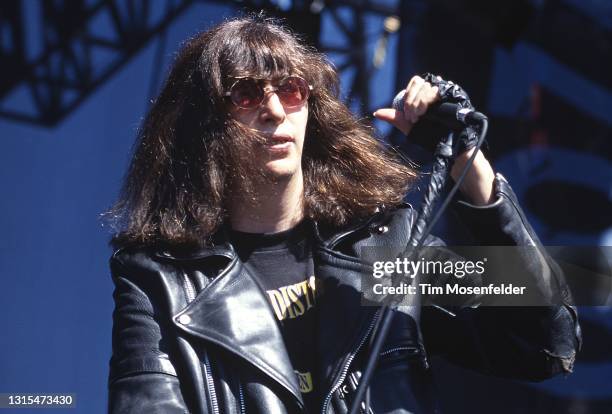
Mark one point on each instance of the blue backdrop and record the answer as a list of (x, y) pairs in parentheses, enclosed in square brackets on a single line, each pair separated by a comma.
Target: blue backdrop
[(56, 300)]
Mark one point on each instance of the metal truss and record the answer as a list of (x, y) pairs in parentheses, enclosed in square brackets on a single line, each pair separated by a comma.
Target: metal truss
[(83, 44), (354, 55), (80, 44)]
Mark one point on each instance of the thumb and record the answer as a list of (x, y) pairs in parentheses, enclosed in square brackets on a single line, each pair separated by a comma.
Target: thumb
[(395, 118)]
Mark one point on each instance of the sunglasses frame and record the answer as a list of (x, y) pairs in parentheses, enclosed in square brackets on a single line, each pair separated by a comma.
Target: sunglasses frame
[(268, 89)]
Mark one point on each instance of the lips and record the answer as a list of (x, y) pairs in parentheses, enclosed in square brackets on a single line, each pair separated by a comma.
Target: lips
[(279, 143), (280, 139)]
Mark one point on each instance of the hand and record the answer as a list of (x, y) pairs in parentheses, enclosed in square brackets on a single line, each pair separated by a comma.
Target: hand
[(419, 96)]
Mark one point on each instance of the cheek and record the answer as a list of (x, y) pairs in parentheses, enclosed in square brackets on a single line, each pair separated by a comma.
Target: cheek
[(304, 123), (246, 117), (243, 116), (301, 120)]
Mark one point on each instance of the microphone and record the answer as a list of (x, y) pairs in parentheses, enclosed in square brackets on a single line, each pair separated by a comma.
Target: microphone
[(448, 114)]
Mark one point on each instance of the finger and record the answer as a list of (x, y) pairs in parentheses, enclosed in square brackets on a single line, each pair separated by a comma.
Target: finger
[(434, 95), (413, 103), (421, 107), (407, 90), (426, 97), (395, 118), (413, 90), (411, 82)]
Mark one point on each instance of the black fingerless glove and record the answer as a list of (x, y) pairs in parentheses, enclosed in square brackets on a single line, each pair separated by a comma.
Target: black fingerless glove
[(428, 133)]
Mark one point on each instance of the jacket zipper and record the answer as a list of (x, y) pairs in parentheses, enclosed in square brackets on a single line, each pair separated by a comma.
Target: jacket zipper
[(189, 288), (347, 364), (241, 398), (210, 385), (398, 348), (333, 243)]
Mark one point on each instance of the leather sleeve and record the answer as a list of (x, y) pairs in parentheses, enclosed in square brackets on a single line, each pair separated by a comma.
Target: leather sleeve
[(142, 376), (531, 343)]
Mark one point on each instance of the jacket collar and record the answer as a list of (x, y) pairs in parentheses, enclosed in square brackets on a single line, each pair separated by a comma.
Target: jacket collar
[(325, 236), (233, 313)]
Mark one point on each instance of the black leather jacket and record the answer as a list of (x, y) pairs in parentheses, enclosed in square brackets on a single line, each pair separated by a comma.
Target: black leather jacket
[(194, 333)]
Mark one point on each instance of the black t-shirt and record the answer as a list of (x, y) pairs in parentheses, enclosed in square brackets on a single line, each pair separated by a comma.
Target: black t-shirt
[(283, 266)]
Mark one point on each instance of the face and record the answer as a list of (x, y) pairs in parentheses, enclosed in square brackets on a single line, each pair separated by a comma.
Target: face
[(284, 128)]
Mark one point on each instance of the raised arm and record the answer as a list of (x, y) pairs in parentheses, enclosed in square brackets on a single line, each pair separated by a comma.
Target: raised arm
[(520, 342)]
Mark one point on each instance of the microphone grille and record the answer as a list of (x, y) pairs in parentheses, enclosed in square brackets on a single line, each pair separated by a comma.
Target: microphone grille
[(398, 101)]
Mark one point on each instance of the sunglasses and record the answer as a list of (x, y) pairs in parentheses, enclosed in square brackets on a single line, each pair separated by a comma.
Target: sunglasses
[(249, 93)]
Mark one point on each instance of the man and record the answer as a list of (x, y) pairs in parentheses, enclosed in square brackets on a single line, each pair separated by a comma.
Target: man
[(251, 191)]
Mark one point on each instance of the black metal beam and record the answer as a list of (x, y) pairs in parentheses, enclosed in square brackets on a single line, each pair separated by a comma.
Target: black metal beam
[(64, 74), (58, 78), (349, 17)]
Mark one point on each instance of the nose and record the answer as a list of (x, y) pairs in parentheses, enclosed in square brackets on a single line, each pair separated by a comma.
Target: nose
[(272, 110)]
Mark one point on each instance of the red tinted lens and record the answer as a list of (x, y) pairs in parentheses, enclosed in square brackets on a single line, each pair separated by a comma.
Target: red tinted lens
[(247, 93), (293, 91)]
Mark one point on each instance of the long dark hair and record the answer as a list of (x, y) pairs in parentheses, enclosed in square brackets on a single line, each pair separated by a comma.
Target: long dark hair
[(189, 149)]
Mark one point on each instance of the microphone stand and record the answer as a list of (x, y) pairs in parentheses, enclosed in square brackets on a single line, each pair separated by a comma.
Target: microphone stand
[(419, 232)]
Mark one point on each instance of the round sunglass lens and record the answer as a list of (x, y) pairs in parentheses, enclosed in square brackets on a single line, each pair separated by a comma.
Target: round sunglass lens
[(246, 93), (293, 91)]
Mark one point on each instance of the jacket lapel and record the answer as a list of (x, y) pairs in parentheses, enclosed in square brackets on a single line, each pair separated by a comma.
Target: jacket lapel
[(233, 312)]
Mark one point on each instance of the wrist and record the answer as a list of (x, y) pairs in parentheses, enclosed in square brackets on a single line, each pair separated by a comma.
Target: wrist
[(478, 186)]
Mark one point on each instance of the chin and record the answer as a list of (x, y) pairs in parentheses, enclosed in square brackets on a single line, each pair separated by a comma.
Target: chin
[(281, 168)]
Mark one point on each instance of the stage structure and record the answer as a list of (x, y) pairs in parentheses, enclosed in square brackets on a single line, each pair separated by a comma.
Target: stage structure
[(53, 62)]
